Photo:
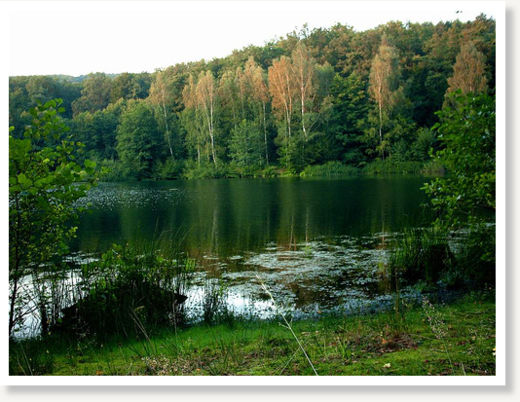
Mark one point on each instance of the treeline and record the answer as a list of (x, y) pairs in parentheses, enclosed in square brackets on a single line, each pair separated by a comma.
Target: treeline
[(306, 99)]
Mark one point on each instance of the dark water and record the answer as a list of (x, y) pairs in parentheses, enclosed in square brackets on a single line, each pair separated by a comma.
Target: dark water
[(317, 244)]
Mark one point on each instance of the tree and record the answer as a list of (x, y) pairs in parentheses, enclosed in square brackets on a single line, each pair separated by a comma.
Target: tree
[(303, 72), (468, 71), (206, 95), (260, 92), (465, 197), (95, 94), (256, 93), (130, 86), (191, 118), (383, 81), (282, 89), (231, 99), (349, 107), (246, 145), (159, 97), (43, 185), (466, 132), (138, 140)]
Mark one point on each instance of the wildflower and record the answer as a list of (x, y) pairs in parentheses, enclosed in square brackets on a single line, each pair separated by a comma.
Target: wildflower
[(387, 365)]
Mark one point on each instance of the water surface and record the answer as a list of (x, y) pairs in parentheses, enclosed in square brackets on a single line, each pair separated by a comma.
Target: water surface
[(317, 244)]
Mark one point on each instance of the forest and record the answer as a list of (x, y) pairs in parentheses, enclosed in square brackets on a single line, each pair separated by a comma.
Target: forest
[(351, 101), (118, 268)]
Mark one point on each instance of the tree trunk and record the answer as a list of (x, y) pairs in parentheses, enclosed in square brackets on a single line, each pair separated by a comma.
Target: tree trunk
[(303, 118), (210, 124), (166, 125), (265, 136), (380, 128)]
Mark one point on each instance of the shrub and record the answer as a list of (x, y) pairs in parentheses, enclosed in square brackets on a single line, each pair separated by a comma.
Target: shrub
[(391, 166), (112, 170), (169, 169), (422, 255), (329, 169), (127, 291), (269, 171)]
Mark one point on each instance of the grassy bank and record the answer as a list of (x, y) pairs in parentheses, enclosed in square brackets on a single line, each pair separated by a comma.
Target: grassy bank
[(456, 339)]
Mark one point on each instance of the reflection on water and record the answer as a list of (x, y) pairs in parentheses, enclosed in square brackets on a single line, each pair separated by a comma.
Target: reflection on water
[(317, 244), (223, 218)]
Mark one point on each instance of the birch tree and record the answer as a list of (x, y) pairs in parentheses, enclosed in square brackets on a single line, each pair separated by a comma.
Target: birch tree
[(282, 89), (256, 87), (383, 80), (228, 93), (303, 72), (191, 116), (206, 95), (158, 97), (468, 71)]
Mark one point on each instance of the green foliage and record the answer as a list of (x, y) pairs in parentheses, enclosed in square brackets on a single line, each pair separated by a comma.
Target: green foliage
[(433, 168), (476, 257), (329, 169), (206, 170), (112, 170), (291, 151), (246, 146), (44, 183), (421, 147), (269, 171), (169, 169), (422, 255), (129, 291), (466, 131), (139, 142), (341, 120), (350, 105), (390, 166)]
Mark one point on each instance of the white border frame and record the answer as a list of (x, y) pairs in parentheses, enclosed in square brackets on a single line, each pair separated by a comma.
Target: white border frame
[(498, 380)]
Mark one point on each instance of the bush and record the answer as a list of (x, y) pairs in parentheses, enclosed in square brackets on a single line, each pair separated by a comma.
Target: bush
[(433, 168), (329, 169), (422, 255), (269, 171), (476, 259), (207, 170), (169, 169), (112, 170), (390, 166), (127, 291)]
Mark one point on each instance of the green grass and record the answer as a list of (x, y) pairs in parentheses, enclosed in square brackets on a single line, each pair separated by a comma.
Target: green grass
[(379, 344)]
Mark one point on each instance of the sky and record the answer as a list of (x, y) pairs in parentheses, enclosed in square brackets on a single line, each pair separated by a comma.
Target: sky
[(76, 37)]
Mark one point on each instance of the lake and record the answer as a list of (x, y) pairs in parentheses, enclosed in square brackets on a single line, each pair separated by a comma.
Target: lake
[(317, 244)]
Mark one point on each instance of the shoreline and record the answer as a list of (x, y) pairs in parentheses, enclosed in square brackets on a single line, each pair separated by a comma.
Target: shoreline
[(448, 339)]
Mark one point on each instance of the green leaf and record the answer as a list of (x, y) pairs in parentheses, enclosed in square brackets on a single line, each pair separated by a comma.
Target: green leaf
[(23, 180)]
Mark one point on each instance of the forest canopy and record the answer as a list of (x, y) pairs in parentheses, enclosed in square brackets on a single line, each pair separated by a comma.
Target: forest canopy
[(311, 97)]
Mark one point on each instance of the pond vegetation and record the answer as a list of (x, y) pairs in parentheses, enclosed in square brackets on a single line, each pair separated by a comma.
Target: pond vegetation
[(368, 232)]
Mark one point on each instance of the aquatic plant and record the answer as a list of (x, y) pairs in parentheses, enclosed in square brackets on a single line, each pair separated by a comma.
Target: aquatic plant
[(421, 255), (128, 291)]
